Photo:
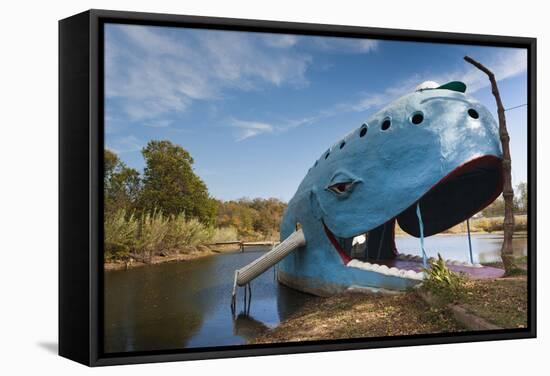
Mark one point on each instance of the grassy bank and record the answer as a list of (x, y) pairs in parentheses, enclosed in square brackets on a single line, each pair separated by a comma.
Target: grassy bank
[(502, 302), (185, 254), (151, 237)]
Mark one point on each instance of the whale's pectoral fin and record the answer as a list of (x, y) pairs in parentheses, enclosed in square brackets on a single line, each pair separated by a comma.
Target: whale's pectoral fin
[(315, 205)]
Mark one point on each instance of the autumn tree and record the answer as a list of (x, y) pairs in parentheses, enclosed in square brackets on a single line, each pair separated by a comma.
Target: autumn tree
[(171, 185), (256, 219), (121, 184), (520, 200)]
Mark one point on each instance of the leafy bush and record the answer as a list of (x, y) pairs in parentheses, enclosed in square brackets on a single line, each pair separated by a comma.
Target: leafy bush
[(152, 230), (120, 235), (443, 282), (488, 224), (497, 224), (185, 232)]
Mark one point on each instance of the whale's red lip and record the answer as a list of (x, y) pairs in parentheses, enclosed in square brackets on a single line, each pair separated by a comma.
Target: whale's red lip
[(463, 192), (343, 255)]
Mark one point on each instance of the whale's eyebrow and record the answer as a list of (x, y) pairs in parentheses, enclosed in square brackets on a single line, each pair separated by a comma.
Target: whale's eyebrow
[(444, 98)]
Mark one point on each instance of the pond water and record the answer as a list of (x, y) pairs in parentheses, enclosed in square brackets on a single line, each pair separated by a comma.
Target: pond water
[(485, 247), (187, 304)]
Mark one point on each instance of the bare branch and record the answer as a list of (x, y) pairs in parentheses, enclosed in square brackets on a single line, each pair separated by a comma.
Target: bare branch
[(507, 191)]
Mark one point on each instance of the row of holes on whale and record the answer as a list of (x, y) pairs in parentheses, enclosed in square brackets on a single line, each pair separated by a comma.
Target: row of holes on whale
[(416, 118)]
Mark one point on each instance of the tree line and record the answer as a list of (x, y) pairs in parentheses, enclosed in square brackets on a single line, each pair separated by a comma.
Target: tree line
[(168, 208), (496, 209)]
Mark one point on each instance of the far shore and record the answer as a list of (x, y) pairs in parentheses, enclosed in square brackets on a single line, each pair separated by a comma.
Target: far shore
[(499, 233), (191, 253)]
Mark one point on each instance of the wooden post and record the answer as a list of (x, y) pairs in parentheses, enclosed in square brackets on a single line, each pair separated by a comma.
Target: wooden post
[(506, 252)]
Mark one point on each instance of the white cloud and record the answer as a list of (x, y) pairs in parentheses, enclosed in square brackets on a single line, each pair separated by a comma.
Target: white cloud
[(345, 45), (506, 64), (125, 144), (154, 73), (249, 129), (280, 40), (367, 45), (164, 123)]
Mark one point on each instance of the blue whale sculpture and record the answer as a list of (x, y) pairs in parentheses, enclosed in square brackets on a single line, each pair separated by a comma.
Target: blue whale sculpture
[(427, 161)]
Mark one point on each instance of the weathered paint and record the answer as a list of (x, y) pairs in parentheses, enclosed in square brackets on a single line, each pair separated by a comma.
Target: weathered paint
[(384, 172)]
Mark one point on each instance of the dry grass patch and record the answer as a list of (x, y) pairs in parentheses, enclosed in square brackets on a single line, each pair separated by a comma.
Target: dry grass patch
[(502, 301), (356, 315)]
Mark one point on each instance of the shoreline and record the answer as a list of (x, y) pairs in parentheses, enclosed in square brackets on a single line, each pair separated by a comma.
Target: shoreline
[(500, 233), (186, 254)]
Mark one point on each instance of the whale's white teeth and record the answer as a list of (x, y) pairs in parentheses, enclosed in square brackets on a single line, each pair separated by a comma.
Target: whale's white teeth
[(383, 269), (407, 257), (403, 273)]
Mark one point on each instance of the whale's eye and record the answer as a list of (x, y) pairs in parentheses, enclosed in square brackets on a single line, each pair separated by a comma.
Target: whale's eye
[(342, 144), (417, 118), (386, 124), (340, 188), (473, 113)]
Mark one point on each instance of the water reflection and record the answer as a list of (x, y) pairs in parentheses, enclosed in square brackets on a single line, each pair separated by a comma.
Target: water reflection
[(187, 304), (247, 327)]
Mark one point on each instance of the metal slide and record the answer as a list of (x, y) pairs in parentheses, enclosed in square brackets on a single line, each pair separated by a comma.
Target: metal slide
[(247, 273)]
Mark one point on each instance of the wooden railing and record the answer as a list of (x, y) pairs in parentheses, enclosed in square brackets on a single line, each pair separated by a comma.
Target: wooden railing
[(243, 244)]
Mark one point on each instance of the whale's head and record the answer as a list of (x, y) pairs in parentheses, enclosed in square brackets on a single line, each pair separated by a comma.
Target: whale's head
[(437, 148)]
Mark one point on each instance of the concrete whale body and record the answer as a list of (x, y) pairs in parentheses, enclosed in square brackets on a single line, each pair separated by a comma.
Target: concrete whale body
[(437, 148)]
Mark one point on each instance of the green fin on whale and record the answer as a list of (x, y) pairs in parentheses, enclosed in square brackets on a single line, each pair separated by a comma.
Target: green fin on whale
[(454, 86)]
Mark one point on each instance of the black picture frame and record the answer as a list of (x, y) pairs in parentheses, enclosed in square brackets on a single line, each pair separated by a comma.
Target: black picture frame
[(80, 185)]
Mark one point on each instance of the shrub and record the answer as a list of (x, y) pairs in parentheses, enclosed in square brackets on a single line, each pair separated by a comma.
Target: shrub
[(487, 224), (120, 235), (443, 282), (185, 232), (152, 230), (224, 234)]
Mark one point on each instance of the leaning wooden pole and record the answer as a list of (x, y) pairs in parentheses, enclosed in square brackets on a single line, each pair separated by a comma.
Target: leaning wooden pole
[(507, 192)]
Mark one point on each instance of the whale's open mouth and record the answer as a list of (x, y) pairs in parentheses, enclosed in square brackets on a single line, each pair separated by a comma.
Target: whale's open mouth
[(458, 196)]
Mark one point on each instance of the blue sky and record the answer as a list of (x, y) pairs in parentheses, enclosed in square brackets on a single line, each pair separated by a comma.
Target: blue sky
[(256, 110)]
